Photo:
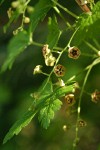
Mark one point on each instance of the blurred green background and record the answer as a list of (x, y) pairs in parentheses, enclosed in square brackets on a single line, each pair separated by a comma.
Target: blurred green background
[(17, 84)]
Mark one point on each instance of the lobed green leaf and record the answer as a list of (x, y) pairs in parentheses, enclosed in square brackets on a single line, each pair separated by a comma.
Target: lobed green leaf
[(89, 25), (46, 104), (17, 127), (47, 113), (50, 103), (40, 11)]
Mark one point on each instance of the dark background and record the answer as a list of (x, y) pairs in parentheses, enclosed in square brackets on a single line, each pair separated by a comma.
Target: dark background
[(17, 84)]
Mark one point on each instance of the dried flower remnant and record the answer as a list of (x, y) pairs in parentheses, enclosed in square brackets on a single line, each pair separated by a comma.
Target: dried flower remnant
[(82, 123), (10, 12), (50, 60), (70, 99), (45, 50), (59, 70), (60, 82), (74, 52), (37, 69), (95, 96)]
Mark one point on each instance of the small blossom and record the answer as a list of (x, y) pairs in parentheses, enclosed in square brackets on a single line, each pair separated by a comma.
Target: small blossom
[(59, 70), (50, 60), (37, 69), (30, 9), (70, 100), (95, 96), (82, 123), (74, 52)]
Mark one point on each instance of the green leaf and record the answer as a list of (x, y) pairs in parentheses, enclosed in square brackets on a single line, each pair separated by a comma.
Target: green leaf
[(57, 93), (16, 46), (89, 25), (54, 32), (17, 127), (50, 103), (48, 87), (46, 104), (63, 90), (40, 11), (47, 113)]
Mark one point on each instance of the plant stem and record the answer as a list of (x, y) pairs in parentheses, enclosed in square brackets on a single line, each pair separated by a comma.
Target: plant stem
[(65, 9), (37, 44), (71, 38), (79, 107), (44, 73), (41, 45), (96, 43), (91, 46), (59, 56), (97, 61), (22, 23), (80, 98), (59, 13), (89, 55)]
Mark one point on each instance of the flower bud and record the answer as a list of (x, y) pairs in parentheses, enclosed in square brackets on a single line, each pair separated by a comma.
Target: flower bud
[(15, 4), (26, 20), (98, 53), (30, 9)]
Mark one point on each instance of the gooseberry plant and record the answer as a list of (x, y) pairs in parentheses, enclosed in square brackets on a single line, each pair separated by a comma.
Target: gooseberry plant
[(47, 99)]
